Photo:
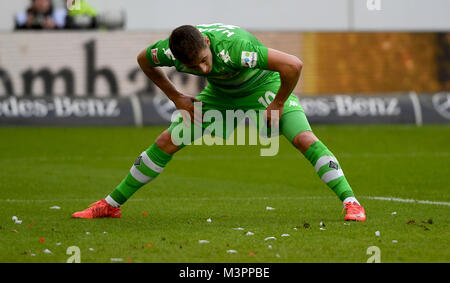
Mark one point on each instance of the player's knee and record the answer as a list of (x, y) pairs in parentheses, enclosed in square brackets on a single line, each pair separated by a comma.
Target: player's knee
[(164, 142), (304, 140)]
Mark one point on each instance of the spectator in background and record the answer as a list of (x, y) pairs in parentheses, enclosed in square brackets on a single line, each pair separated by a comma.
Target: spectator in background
[(81, 15), (41, 15)]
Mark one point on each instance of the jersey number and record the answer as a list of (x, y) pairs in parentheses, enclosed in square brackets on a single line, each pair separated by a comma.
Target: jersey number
[(267, 98)]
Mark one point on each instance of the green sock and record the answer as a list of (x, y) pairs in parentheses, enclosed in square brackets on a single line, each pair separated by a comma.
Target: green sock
[(146, 168), (329, 170)]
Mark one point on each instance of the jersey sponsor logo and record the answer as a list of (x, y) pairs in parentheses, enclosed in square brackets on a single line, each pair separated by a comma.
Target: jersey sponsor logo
[(248, 59), (225, 56), (169, 54), (155, 55)]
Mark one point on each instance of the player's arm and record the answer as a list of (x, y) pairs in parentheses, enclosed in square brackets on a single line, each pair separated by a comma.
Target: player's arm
[(289, 67), (159, 77)]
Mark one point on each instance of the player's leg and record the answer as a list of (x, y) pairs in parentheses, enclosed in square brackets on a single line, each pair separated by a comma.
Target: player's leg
[(295, 127), (147, 167)]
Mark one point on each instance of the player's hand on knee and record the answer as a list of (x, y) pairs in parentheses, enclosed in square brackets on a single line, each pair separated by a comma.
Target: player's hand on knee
[(273, 114), (190, 109)]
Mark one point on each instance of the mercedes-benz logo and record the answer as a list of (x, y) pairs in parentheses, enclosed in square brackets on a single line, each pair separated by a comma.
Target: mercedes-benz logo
[(441, 102)]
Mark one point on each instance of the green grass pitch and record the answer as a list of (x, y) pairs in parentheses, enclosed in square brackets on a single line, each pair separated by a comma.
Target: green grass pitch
[(231, 185)]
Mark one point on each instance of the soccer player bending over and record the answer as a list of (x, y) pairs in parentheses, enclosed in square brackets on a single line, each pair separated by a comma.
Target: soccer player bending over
[(240, 72)]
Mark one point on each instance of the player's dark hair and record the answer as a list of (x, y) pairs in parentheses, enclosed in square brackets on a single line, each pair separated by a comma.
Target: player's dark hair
[(185, 42)]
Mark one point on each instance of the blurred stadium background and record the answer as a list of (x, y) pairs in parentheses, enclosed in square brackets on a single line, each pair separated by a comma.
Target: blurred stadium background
[(391, 57)]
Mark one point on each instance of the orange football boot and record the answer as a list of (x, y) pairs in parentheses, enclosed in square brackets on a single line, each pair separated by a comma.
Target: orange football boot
[(355, 212), (99, 209)]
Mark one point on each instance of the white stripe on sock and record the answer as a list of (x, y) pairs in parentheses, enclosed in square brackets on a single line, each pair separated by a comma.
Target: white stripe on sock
[(139, 176), (111, 201), (150, 164), (332, 175), (324, 160)]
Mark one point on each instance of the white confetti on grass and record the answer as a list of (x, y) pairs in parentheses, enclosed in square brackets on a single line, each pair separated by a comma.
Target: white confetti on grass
[(116, 259), (394, 213), (285, 235), (47, 251), (55, 207), (270, 238), (209, 220), (269, 208), (91, 249), (88, 233), (322, 229), (269, 247), (232, 251), (238, 228), (16, 220), (394, 241), (58, 244), (203, 241), (377, 233), (250, 233)]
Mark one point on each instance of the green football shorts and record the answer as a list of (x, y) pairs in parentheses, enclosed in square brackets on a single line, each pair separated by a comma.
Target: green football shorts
[(293, 120)]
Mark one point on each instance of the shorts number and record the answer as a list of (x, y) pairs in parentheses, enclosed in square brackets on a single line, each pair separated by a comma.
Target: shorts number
[(267, 98)]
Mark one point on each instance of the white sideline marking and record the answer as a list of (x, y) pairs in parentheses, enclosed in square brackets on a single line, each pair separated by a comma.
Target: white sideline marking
[(226, 157), (241, 199), (409, 200)]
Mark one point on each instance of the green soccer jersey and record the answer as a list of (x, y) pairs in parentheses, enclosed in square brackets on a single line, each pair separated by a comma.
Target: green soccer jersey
[(239, 60)]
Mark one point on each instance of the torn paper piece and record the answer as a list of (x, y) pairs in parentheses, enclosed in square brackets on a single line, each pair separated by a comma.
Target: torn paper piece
[(239, 228), (249, 233), (55, 207), (16, 220), (47, 251), (270, 238), (269, 208), (203, 241), (116, 259), (322, 229), (377, 233), (394, 213), (232, 252), (285, 235), (58, 244), (91, 249), (394, 241), (269, 247), (209, 220)]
